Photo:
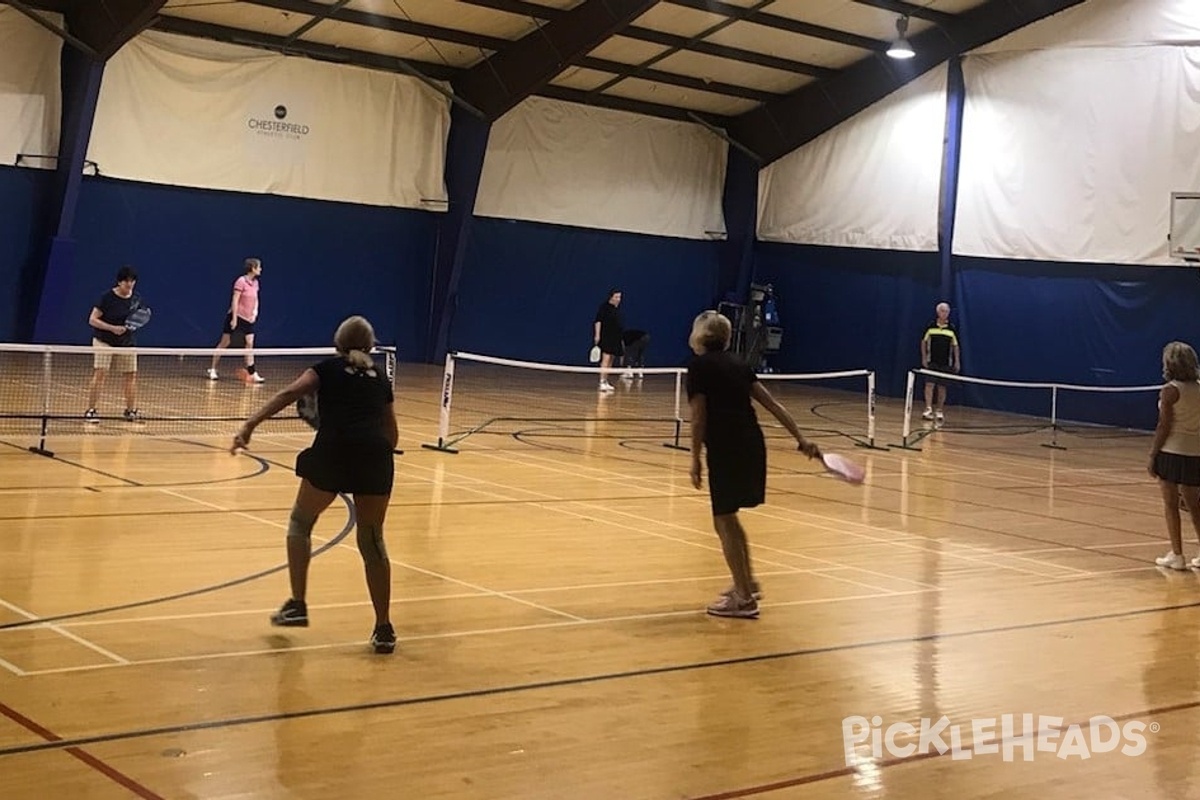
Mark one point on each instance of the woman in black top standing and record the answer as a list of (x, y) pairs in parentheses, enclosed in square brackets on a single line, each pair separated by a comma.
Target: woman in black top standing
[(606, 334), (352, 454), (720, 386)]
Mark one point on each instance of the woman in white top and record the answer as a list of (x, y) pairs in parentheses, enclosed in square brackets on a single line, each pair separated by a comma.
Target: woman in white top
[(1175, 454)]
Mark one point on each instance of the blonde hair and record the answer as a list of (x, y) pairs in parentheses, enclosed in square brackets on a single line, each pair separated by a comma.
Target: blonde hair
[(355, 338), (710, 331), (1179, 362)]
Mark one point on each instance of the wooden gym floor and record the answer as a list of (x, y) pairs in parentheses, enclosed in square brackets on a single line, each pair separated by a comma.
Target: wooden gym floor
[(549, 589)]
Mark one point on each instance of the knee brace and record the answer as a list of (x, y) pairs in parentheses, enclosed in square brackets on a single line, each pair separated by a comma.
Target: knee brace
[(370, 543), (300, 526)]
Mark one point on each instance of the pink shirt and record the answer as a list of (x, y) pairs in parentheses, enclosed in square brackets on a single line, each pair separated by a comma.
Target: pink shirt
[(247, 308)]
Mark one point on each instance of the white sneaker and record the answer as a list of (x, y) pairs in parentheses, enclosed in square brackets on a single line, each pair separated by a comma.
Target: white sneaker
[(640, 374), (605, 386), (1195, 563), (939, 416), (212, 375), (928, 414), (1171, 560), (256, 378), (627, 375)]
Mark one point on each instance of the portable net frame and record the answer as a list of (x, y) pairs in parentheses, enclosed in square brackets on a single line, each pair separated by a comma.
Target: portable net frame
[(1030, 407), (44, 390), (487, 394)]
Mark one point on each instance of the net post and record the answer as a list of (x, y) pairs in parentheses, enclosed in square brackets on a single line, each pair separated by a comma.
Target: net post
[(908, 402), (870, 443), (1053, 443), (40, 448), (444, 410), (678, 413), (389, 369)]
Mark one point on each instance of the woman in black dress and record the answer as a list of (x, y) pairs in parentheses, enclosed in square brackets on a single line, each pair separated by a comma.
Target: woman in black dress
[(352, 454), (606, 334), (720, 386)]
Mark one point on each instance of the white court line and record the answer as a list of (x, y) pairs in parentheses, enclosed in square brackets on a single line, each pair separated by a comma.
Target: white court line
[(13, 668), (423, 599), (460, 634), (64, 633), (431, 573), (758, 547), (87, 623)]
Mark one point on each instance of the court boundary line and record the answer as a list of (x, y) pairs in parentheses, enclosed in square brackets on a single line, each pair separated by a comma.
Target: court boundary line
[(105, 769), (578, 680)]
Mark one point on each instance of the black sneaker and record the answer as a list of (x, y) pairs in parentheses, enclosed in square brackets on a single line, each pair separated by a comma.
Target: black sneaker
[(294, 614), (133, 415), (384, 638), (91, 416)]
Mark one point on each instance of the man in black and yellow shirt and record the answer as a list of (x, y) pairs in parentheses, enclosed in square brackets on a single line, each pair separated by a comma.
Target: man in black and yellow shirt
[(939, 353)]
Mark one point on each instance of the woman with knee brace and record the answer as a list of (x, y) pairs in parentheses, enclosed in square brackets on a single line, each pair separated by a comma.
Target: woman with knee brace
[(351, 454)]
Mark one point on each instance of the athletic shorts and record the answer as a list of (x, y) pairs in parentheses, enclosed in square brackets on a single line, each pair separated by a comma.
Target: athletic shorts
[(1176, 468), (244, 328), (365, 467), (109, 357), (946, 368)]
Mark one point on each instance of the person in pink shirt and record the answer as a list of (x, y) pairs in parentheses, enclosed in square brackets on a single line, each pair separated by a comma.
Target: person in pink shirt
[(239, 322)]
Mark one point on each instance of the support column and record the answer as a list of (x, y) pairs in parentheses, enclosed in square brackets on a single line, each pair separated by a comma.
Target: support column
[(465, 150), (49, 275), (739, 201), (951, 159)]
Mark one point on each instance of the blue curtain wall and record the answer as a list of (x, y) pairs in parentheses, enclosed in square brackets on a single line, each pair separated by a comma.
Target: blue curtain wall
[(322, 261), (530, 291), (23, 195), (844, 309)]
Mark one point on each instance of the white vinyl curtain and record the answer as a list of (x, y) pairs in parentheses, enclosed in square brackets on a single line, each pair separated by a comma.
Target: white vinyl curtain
[(30, 93), (1076, 132), (871, 182), (563, 163), (194, 113)]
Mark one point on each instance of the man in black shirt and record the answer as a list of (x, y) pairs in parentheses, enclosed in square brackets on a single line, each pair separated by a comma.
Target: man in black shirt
[(108, 332), (939, 353)]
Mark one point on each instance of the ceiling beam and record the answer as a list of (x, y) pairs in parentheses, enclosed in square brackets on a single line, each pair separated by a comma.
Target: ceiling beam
[(785, 24), (395, 24), (724, 51), (106, 25), (674, 79), (617, 103), (911, 10), (512, 73), (315, 50), (527, 9), (779, 127), (53, 27)]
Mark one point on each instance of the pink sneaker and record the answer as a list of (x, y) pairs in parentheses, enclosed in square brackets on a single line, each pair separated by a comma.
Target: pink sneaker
[(730, 605)]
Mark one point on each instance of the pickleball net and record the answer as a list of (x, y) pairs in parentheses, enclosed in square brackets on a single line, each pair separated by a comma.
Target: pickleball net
[(44, 390), (489, 395)]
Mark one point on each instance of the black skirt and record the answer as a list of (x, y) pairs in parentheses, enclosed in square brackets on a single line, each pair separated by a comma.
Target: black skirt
[(1174, 468), (358, 467), (737, 472)]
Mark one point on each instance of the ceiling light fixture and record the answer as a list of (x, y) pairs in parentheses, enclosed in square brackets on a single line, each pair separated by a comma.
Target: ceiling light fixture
[(901, 47)]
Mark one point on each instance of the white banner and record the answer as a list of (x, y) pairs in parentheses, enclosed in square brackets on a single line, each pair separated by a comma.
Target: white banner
[(1072, 154), (873, 181), (557, 162), (189, 112), (30, 93)]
